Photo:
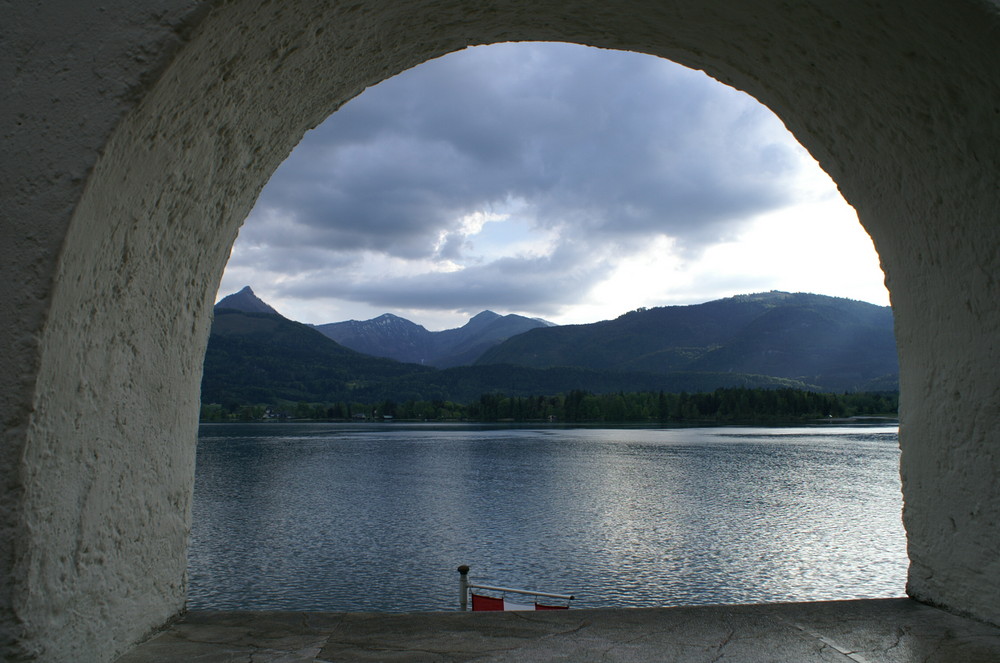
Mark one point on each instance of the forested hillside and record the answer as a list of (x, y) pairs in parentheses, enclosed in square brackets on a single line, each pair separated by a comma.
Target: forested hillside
[(832, 343), (732, 405), (772, 341), (265, 358)]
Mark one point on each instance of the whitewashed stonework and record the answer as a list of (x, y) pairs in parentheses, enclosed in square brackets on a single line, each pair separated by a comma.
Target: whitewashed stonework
[(136, 135)]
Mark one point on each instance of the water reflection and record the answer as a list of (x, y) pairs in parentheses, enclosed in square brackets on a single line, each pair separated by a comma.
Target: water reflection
[(328, 517)]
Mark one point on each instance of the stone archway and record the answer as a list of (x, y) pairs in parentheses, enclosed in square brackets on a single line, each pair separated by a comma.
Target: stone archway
[(141, 136)]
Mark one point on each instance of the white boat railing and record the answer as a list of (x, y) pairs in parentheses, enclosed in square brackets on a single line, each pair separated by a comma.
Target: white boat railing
[(465, 586)]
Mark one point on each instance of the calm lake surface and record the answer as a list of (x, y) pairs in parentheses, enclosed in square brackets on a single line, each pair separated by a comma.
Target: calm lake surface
[(354, 517)]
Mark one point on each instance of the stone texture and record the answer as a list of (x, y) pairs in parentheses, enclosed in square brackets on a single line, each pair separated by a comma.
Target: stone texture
[(884, 631), (137, 134)]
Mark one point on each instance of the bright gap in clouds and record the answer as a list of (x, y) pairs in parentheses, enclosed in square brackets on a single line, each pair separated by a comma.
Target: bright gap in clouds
[(550, 180)]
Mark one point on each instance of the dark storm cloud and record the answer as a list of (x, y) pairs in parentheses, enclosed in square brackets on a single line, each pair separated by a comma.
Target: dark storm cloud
[(598, 147), (539, 284)]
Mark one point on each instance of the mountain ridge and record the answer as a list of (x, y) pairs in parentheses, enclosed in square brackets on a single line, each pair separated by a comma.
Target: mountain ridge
[(259, 357), (765, 340), (829, 341), (393, 337)]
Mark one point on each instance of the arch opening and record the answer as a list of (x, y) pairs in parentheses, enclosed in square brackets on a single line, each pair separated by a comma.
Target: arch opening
[(388, 141)]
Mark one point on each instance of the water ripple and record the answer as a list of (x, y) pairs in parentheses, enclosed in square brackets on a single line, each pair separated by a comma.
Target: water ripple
[(327, 517)]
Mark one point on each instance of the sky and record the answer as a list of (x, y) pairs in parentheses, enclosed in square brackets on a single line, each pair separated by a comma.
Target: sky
[(550, 180)]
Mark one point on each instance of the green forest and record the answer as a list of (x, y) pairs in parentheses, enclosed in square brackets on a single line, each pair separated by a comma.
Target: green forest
[(727, 405)]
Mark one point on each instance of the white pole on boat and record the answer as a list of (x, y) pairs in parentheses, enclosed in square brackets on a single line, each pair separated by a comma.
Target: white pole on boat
[(463, 586)]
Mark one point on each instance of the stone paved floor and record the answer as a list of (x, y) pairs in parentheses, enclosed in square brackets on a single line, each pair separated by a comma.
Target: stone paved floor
[(872, 631)]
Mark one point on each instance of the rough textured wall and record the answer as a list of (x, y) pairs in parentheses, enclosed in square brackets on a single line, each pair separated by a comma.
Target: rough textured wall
[(143, 132), (937, 195), (68, 73)]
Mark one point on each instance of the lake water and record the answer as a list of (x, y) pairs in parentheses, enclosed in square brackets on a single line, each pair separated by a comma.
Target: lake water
[(351, 517)]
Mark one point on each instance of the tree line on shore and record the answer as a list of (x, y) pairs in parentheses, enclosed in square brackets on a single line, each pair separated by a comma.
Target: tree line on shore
[(726, 405)]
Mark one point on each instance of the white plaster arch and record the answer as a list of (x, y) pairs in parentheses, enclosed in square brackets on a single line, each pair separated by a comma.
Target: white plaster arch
[(136, 138)]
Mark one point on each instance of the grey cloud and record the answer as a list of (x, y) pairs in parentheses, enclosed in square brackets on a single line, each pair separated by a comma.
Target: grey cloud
[(539, 284), (291, 258), (601, 146), (453, 247)]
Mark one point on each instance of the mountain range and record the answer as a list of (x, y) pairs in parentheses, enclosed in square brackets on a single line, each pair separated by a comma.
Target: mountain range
[(771, 339), (834, 343), (397, 338), (255, 357)]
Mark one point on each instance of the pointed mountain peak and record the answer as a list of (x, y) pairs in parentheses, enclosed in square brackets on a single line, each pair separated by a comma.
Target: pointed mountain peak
[(390, 320), (245, 300), (483, 317)]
